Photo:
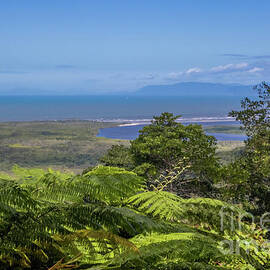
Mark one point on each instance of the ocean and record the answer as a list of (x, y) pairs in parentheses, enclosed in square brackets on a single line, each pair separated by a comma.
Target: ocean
[(113, 108)]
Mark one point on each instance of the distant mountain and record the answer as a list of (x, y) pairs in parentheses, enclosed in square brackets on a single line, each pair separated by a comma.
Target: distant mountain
[(196, 89)]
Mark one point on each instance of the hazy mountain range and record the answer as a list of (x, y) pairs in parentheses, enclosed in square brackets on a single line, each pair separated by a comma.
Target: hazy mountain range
[(196, 89), (178, 89)]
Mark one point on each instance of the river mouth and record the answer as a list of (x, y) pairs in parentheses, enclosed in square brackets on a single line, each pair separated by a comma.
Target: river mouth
[(131, 131)]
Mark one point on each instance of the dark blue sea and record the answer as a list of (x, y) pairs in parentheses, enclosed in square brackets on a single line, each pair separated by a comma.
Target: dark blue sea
[(26, 108)]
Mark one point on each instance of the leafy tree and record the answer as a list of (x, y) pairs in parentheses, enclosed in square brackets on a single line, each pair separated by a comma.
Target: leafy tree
[(249, 176), (255, 117), (166, 144), (255, 114)]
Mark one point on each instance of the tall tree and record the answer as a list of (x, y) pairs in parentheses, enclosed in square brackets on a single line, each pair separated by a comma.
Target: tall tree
[(253, 181), (166, 144)]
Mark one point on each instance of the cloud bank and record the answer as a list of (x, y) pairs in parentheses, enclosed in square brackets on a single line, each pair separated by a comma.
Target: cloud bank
[(69, 79)]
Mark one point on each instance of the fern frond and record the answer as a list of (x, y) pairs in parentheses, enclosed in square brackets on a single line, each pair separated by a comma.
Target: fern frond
[(12, 194), (156, 251), (160, 204), (104, 184), (35, 209), (202, 212), (104, 215), (214, 214), (114, 181)]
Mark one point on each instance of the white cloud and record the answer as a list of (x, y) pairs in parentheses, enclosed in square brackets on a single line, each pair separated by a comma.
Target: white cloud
[(180, 74), (242, 72), (230, 67), (87, 81), (193, 70), (255, 69)]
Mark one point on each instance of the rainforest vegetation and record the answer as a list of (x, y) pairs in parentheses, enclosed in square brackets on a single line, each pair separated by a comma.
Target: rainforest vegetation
[(164, 201)]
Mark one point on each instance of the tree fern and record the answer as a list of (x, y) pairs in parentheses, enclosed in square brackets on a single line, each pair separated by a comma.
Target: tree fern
[(39, 205), (105, 219), (160, 204), (194, 211), (158, 250), (202, 217)]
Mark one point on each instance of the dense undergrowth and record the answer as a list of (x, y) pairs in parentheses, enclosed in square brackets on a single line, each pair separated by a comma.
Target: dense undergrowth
[(106, 219)]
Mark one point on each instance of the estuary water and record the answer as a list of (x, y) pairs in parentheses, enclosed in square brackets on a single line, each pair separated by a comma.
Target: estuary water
[(131, 132)]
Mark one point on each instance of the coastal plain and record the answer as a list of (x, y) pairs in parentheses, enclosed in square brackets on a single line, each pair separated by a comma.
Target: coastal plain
[(73, 145)]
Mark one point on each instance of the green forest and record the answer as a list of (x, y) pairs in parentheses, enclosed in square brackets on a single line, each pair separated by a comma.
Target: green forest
[(170, 199)]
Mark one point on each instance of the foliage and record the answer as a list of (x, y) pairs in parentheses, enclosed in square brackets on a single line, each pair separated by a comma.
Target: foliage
[(166, 143), (248, 178), (193, 236), (118, 156), (255, 114), (49, 212), (105, 219)]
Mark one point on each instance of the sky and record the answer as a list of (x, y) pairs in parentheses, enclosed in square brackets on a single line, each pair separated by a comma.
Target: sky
[(96, 46)]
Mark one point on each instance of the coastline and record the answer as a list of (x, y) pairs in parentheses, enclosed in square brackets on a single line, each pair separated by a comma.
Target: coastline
[(183, 120)]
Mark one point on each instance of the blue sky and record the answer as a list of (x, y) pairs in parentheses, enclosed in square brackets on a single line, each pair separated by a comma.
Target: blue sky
[(85, 46)]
